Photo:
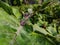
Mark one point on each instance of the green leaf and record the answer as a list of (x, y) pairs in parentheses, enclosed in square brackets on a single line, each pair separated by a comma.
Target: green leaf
[(52, 30), (16, 12), (6, 7), (41, 30)]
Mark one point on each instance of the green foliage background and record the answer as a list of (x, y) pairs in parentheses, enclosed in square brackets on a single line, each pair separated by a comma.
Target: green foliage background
[(43, 28)]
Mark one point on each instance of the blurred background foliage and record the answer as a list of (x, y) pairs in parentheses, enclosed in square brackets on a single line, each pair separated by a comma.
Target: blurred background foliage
[(42, 28)]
